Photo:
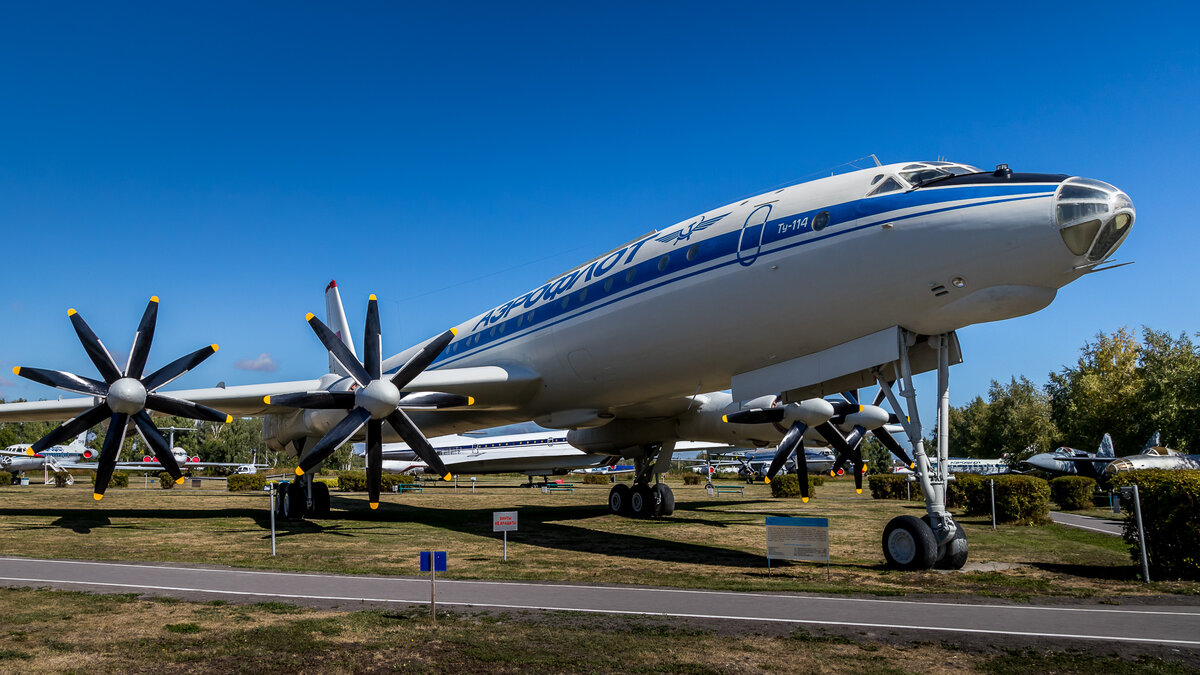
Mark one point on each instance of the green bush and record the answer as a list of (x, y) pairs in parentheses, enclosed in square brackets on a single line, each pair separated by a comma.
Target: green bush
[(891, 486), (727, 475), (119, 479), (246, 482), (1072, 493), (356, 481), (7, 478), (692, 478), (60, 479), (788, 485), (1023, 500), (165, 481), (1171, 515), (595, 479), (969, 492)]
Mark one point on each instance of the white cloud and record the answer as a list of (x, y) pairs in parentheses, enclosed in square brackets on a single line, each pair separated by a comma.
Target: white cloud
[(263, 363)]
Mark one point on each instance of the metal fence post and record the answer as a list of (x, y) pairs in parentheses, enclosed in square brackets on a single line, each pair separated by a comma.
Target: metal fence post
[(1137, 510), (272, 518), (992, 488)]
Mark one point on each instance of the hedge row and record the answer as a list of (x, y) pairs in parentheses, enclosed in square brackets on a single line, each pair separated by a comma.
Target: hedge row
[(250, 482), (356, 481), (600, 479), (1023, 500), (788, 485), (1171, 515), (7, 478), (1073, 493)]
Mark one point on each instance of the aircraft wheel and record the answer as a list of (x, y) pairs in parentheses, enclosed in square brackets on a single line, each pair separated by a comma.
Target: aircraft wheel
[(909, 544), (953, 554), (666, 499), (294, 500), (643, 502), (708, 487), (618, 499), (320, 500)]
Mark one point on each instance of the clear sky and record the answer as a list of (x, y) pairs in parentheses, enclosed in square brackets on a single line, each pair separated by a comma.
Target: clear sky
[(232, 158)]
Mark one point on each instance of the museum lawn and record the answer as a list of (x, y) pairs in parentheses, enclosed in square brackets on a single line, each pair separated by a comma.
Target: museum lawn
[(710, 542)]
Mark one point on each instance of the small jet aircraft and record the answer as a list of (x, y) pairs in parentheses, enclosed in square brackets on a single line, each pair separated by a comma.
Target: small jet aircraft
[(19, 457), (853, 280), (1104, 462)]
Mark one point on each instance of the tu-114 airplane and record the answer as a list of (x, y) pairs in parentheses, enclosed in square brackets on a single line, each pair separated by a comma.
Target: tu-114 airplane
[(853, 280)]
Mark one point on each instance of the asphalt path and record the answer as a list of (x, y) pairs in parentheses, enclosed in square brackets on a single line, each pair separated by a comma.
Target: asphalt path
[(1145, 624), (1101, 525)]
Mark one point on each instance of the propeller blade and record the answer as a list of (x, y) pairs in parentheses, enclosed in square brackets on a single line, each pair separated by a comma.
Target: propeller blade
[(339, 434), (755, 416), (178, 367), (160, 446), (339, 350), (181, 408), (72, 428), (851, 396), (859, 470), (317, 400), (843, 408), (894, 447), (432, 400), (802, 472), (854, 443), (141, 340), (95, 349), (879, 396), (373, 342), (62, 380), (834, 438), (421, 360), (374, 461), (108, 453), (418, 443), (790, 440)]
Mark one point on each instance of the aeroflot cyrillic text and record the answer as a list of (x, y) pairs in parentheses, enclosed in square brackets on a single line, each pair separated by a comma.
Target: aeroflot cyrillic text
[(564, 284)]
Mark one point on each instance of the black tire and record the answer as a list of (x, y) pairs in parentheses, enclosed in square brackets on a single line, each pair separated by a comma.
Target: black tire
[(666, 499), (909, 544), (708, 487), (643, 502), (618, 499), (320, 500), (952, 555), (294, 501)]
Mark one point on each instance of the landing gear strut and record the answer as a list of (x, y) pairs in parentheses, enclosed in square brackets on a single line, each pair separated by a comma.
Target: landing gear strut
[(643, 499), (936, 540)]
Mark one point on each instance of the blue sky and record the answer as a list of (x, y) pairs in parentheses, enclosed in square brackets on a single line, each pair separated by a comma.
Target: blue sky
[(232, 159)]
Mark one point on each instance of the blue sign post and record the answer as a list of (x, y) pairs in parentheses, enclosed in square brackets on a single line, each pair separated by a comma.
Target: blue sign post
[(433, 562)]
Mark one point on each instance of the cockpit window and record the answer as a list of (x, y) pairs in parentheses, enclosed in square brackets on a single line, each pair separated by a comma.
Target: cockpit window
[(876, 179), (923, 175), (910, 167), (889, 185)]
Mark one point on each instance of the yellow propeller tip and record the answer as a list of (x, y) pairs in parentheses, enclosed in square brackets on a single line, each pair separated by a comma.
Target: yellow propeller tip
[(180, 481), (154, 298), (16, 370), (30, 452), (309, 316), (97, 496), (374, 505), (804, 499), (454, 331), (299, 471), (860, 408), (447, 476), (372, 297), (766, 480), (725, 418), (832, 474), (228, 419), (913, 465), (858, 490), (470, 400), (267, 400), (71, 312), (215, 347)]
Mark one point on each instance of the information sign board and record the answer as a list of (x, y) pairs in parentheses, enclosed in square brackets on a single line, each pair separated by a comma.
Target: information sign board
[(797, 539)]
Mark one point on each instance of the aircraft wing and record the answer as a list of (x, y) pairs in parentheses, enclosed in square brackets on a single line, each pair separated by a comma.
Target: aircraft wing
[(494, 387)]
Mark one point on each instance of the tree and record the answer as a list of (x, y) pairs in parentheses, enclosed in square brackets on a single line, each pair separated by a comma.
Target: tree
[(1170, 370), (878, 458), (1102, 393), (1014, 422)]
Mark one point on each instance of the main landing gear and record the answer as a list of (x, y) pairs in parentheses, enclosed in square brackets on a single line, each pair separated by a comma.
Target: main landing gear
[(302, 497), (643, 499), (912, 543)]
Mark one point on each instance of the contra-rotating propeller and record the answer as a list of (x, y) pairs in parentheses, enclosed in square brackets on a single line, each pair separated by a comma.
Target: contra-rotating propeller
[(375, 399), (814, 412), (124, 396)]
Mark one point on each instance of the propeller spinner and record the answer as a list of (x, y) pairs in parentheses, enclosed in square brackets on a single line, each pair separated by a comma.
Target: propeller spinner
[(376, 399), (125, 396)]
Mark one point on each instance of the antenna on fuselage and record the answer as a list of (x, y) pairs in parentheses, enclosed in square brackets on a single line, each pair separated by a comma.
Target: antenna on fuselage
[(877, 162)]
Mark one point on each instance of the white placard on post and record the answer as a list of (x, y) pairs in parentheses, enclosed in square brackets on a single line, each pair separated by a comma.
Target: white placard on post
[(504, 521)]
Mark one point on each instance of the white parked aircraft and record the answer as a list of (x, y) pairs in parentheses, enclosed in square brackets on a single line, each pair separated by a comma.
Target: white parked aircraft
[(778, 295)]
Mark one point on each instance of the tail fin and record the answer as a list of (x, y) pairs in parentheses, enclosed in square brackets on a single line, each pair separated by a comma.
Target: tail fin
[(335, 318), (1106, 447), (1154, 442)]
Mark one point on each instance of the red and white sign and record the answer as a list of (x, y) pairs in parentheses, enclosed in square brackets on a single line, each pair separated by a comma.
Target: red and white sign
[(504, 521)]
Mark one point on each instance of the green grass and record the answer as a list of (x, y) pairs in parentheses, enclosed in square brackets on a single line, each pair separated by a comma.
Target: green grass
[(710, 542)]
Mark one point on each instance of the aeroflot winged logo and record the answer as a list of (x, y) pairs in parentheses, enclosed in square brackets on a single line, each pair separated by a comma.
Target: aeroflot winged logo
[(683, 235)]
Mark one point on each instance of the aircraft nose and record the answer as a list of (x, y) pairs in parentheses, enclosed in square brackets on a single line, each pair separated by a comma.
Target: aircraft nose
[(1093, 218)]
